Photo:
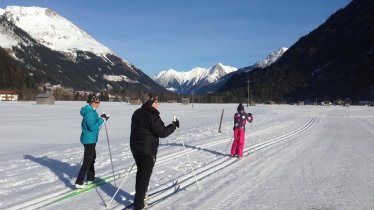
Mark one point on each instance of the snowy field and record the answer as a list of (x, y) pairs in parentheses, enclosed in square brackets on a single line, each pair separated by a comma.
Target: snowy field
[(296, 157)]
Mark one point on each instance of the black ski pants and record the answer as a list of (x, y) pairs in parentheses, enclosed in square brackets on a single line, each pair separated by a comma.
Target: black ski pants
[(88, 164), (144, 164)]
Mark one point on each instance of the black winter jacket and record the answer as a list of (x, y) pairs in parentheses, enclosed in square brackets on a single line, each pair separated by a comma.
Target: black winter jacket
[(146, 129)]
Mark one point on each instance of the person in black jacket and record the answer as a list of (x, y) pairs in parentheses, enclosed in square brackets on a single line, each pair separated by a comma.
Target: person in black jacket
[(146, 129)]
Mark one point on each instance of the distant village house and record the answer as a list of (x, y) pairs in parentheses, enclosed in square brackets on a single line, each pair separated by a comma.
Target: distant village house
[(134, 101), (8, 95), (185, 101), (45, 98)]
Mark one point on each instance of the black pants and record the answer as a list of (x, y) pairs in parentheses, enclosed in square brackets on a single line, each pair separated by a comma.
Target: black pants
[(145, 164), (88, 164)]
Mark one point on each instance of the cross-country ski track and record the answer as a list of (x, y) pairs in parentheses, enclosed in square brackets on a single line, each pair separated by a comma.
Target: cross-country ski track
[(185, 180), (295, 157)]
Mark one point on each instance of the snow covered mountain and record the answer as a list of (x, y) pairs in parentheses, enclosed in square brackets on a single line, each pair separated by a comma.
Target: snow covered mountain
[(52, 49), (270, 59), (193, 80), (54, 31)]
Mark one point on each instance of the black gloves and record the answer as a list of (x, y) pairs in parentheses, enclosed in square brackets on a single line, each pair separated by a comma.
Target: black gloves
[(176, 123), (105, 117)]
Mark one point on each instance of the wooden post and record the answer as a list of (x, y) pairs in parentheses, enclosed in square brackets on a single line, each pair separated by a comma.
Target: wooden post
[(220, 123), (192, 98)]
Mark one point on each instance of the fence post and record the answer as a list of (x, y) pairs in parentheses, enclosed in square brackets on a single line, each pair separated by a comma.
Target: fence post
[(220, 123)]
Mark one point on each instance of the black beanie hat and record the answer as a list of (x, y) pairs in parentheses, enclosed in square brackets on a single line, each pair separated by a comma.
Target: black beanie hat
[(240, 107), (151, 100)]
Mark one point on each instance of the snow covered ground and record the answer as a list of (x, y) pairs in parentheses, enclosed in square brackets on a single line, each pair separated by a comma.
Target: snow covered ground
[(296, 157)]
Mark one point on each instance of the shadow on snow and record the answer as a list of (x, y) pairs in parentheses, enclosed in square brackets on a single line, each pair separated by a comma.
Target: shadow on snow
[(65, 172), (194, 147)]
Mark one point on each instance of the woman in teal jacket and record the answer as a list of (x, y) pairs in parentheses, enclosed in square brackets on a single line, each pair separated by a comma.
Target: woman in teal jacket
[(91, 124)]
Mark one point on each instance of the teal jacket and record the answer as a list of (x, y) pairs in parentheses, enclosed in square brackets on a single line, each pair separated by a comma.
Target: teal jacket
[(90, 125)]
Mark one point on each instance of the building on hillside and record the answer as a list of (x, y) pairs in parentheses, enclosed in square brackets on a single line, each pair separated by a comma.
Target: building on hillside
[(45, 98), (8, 95)]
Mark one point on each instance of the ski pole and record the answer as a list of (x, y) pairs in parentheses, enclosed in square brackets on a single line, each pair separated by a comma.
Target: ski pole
[(108, 205), (228, 144), (110, 154), (193, 171), (80, 165)]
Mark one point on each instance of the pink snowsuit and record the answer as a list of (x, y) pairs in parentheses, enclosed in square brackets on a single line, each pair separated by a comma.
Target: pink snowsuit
[(240, 119)]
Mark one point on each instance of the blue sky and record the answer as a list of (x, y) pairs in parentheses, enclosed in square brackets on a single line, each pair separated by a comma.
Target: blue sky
[(158, 35)]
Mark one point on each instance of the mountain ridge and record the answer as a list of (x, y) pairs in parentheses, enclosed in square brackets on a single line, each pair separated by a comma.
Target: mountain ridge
[(71, 67), (201, 80), (189, 81)]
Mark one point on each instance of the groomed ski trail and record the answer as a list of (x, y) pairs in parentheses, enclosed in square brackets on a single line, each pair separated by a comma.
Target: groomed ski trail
[(67, 193), (204, 172)]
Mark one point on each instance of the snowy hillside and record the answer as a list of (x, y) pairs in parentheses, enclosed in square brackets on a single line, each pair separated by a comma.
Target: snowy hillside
[(296, 157), (186, 82), (8, 40), (53, 31)]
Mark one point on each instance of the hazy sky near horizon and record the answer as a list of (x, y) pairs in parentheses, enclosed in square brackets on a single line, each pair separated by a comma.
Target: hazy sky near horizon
[(164, 34)]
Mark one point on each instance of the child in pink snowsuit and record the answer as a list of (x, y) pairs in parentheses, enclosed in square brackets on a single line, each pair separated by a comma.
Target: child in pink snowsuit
[(240, 119)]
